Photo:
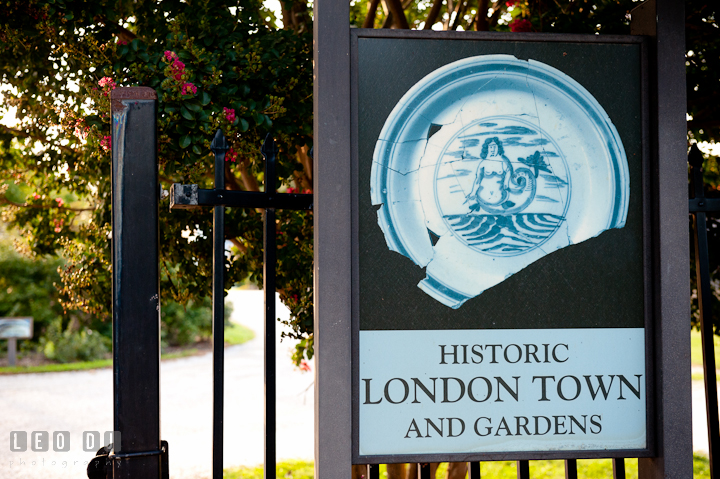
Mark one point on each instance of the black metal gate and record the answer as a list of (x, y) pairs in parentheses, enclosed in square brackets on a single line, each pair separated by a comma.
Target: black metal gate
[(190, 196)]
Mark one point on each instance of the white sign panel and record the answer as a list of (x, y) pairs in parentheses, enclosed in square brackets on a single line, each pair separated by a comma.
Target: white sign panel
[(21, 328), (472, 391)]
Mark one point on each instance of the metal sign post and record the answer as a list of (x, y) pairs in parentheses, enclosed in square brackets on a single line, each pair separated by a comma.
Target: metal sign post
[(471, 279)]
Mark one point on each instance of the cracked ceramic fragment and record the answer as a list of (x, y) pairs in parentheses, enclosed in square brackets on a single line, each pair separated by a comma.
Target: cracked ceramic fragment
[(503, 161)]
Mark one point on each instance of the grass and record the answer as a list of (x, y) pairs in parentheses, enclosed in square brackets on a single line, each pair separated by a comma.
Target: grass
[(234, 334), (238, 334), (587, 469)]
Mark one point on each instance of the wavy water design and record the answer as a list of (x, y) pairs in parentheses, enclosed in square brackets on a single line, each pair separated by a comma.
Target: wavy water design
[(505, 234)]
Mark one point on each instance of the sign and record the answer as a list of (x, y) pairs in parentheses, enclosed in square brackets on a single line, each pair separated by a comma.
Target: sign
[(501, 249), (19, 328)]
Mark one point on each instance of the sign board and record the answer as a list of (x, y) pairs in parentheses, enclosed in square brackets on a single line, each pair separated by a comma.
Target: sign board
[(19, 328), (501, 299)]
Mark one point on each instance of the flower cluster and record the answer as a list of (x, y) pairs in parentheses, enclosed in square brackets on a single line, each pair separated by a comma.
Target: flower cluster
[(304, 366), (231, 155), (105, 142), (306, 191), (60, 202), (510, 3), (521, 25), (120, 41), (188, 88), (229, 114), (177, 68), (107, 84), (36, 196), (81, 131), (58, 224)]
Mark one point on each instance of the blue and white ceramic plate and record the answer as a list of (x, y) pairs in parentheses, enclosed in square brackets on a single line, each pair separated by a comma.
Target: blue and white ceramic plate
[(490, 163)]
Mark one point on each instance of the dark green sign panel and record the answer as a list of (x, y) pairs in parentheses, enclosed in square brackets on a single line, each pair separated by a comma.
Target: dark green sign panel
[(502, 247)]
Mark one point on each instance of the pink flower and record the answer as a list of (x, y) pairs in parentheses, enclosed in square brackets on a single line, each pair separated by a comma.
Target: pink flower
[(107, 84), (170, 56), (304, 365), (81, 132), (520, 25), (60, 202), (510, 3), (291, 190), (307, 192), (58, 225), (120, 41), (231, 155), (106, 81), (229, 114), (106, 142), (36, 196), (187, 88)]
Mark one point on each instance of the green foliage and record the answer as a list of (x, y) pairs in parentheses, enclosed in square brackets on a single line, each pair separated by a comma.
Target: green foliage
[(189, 323), (214, 65), (69, 346), (27, 288)]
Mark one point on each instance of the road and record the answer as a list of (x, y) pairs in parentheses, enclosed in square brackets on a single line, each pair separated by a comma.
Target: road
[(82, 401)]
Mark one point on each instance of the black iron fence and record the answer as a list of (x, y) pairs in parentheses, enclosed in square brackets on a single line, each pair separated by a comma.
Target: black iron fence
[(136, 310)]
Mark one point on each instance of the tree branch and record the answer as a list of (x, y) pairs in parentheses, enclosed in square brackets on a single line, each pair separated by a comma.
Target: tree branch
[(370, 17), (24, 134), (433, 15), (4, 200), (481, 19), (398, 14)]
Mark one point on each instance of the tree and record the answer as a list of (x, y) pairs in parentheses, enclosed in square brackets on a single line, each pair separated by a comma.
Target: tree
[(214, 65)]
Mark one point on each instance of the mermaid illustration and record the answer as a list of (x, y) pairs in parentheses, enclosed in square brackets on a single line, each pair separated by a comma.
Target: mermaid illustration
[(498, 187)]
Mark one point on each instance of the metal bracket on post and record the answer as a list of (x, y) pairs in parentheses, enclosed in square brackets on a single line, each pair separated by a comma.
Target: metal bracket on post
[(100, 467)]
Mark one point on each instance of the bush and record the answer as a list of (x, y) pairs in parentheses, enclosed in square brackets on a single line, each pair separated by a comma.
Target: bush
[(189, 323), (68, 346)]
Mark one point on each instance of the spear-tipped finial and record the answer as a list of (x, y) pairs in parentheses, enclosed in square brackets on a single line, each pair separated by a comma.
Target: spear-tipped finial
[(695, 157), (219, 143), (268, 148)]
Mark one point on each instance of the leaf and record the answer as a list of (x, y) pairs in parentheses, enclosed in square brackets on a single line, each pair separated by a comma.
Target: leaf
[(205, 98), (197, 149), (135, 43), (186, 114), (244, 125), (192, 106), (185, 141), (144, 57)]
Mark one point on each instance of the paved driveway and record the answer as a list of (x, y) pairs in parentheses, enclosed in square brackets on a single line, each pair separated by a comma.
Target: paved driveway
[(82, 401)]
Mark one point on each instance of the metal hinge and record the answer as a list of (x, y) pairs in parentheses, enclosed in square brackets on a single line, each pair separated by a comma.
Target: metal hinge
[(100, 467)]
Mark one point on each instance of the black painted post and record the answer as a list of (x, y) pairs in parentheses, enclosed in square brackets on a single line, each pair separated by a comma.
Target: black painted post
[(373, 471), (423, 471), (473, 470), (219, 147), (618, 468), (136, 287), (523, 469), (571, 469), (269, 252)]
